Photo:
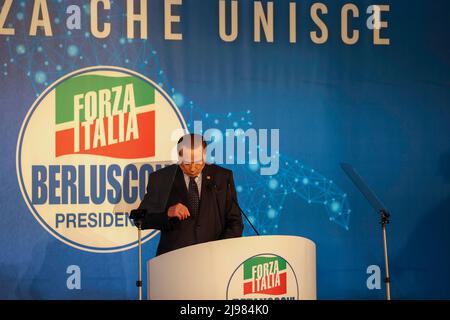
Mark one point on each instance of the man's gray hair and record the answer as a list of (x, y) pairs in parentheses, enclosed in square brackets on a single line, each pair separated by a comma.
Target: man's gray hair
[(190, 141)]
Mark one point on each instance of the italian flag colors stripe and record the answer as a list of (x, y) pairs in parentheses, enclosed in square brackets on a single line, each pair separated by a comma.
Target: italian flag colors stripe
[(281, 289), (144, 94), (92, 91), (260, 274), (140, 148)]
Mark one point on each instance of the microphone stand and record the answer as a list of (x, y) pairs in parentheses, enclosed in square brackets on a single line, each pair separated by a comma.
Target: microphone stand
[(139, 280), (385, 220), (378, 206), (137, 215)]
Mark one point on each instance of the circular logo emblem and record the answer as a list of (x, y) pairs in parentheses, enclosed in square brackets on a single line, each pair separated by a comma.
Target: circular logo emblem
[(265, 276), (86, 149)]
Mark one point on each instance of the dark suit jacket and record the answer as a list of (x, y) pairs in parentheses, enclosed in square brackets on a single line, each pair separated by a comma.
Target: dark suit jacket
[(218, 218)]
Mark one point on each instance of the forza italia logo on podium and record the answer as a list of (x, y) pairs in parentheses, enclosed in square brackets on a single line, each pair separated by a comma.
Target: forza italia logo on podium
[(263, 277), (86, 149)]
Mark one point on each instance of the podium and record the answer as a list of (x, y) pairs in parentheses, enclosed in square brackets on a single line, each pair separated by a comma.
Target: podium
[(259, 267)]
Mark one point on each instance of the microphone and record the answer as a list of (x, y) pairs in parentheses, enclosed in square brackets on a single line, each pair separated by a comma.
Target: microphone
[(242, 212), (213, 186)]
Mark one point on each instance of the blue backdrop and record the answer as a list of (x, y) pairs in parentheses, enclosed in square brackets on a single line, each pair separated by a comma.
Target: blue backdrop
[(384, 109)]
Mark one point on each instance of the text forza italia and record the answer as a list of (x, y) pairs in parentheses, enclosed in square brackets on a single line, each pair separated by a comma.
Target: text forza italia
[(229, 24)]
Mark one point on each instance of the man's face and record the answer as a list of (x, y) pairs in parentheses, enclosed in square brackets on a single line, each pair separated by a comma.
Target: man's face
[(192, 161)]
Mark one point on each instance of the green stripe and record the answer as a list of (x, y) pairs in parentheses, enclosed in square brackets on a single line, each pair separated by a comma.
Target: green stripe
[(144, 93), (260, 260)]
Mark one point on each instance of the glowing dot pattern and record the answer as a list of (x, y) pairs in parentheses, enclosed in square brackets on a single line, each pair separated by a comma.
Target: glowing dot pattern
[(45, 59)]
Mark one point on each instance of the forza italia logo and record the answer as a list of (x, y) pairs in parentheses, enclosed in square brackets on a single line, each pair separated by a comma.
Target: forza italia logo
[(110, 116), (86, 149), (263, 277)]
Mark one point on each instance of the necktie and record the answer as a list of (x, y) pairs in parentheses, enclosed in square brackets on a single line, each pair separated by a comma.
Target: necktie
[(193, 197)]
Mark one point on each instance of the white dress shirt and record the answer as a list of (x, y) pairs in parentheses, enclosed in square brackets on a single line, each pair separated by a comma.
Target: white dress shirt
[(198, 180)]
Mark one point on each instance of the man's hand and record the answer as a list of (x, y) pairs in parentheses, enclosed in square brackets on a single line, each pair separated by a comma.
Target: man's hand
[(179, 211)]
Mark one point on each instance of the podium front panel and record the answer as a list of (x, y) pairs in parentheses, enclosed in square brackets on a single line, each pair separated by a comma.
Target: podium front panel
[(260, 267)]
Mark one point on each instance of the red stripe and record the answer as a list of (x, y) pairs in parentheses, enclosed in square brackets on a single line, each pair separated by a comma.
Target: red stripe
[(281, 289), (141, 148), (64, 142)]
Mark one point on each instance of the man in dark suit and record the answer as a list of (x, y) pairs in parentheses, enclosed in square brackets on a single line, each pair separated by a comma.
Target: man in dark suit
[(191, 202)]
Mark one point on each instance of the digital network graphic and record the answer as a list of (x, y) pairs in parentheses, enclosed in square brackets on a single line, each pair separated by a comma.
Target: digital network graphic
[(45, 59)]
